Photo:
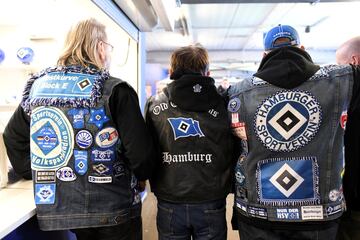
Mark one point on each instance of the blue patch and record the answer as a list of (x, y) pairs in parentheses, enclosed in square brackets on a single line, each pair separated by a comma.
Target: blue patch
[(282, 182), (45, 193), (46, 138), (98, 117), (65, 174), (257, 212), (185, 127), (81, 163), (107, 137), (102, 155), (242, 206), (102, 169), (77, 115), (63, 85), (288, 213), (234, 105), (52, 137), (84, 139), (287, 120)]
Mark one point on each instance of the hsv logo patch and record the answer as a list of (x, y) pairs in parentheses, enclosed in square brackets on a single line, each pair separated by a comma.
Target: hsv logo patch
[(63, 85), (119, 169), (65, 174), (81, 163), (102, 155), (77, 115), (234, 105), (287, 120), (45, 176), (98, 117), (51, 140), (288, 181), (331, 210), (102, 169), (288, 213), (107, 137), (45, 193), (185, 127), (84, 139)]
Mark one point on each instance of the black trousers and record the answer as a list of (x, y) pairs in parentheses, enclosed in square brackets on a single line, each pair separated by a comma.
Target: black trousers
[(131, 230), (249, 232)]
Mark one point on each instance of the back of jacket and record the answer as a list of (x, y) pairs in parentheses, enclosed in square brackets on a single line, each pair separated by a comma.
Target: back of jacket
[(292, 160), (195, 144), (79, 173)]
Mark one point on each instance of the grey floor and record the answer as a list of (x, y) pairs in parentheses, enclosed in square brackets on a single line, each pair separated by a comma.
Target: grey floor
[(149, 218)]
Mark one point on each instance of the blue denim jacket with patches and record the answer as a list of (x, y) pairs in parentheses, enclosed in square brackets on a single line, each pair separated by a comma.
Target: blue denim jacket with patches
[(292, 158), (80, 178)]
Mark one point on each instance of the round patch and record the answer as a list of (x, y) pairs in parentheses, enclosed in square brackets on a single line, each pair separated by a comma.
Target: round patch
[(65, 174), (234, 105), (51, 141), (334, 195), (107, 137), (84, 139), (287, 120)]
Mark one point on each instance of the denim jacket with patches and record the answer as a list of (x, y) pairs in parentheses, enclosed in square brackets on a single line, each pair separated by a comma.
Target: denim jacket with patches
[(292, 157), (80, 178)]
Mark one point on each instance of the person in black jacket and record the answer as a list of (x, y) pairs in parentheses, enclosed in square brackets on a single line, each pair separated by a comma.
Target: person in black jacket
[(192, 176), (79, 134), (349, 53)]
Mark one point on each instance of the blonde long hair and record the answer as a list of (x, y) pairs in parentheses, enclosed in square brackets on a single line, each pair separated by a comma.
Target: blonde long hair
[(81, 44)]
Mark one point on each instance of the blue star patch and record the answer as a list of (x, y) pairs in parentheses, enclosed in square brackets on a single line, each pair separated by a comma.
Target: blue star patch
[(98, 117)]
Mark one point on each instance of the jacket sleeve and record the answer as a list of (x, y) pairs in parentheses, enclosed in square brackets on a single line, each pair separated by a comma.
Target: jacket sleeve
[(17, 142), (136, 140)]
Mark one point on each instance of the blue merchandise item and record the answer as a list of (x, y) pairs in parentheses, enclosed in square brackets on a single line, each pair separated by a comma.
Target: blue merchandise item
[(2, 56), (25, 55), (78, 115), (281, 31)]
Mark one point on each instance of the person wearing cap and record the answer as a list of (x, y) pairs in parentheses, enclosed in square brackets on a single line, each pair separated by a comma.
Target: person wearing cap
[(349, 53), (290, 120), (193, 171)]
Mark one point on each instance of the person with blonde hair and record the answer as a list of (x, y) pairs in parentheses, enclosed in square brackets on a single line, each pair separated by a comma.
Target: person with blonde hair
[(192, 175), (78, 132)]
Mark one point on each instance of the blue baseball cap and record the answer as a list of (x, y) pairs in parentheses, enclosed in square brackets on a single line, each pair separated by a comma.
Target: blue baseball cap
[(281, 31)]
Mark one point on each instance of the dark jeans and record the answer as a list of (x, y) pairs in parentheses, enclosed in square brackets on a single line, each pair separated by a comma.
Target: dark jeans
[(349, 228), (131, 230), (199, 221), (249, 232)]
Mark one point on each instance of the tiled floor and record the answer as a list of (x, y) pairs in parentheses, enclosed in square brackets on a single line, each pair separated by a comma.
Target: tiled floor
[(149, 218)]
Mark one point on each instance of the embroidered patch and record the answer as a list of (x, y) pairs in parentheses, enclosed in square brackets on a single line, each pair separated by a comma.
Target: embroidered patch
[(287, 120), (98, 117), (63, 85), (335, 195), (77, 115), (96, 179), (45, 193), (282, 182), (51, 141), (84, 139), (159, 108), (185, 127), (241, 206), (241, 193), (234, 105), (65, 174), (107, 137), (257, 212), (331, 210), (81, 163), (240, 131), (234, 120), (102, 155), (288, 213), (45, 176), (239, 175), (197, 88), (343, 119), (119, 169), (312, 212), (257, 81), (102, 169)]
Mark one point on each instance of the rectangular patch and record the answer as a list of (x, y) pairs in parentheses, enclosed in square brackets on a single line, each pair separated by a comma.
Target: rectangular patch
[(282, 182), (241, 206), (257, 212), (45, 176), (312, 212), (288, 213), (45, 193), (95, 179), (331, 210), (63, 85)]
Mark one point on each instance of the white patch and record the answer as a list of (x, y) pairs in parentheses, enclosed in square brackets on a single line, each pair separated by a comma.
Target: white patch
[(312, 212), (65, 174), (107, 137), (94, 179), (197, 88), (335, 195)]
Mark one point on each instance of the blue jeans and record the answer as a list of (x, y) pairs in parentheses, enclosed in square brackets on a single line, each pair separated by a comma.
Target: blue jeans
[(200, 221)]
